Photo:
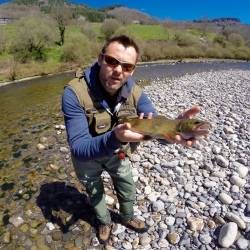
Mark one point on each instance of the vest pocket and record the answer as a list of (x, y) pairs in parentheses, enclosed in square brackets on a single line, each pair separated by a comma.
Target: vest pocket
[(102, 122)]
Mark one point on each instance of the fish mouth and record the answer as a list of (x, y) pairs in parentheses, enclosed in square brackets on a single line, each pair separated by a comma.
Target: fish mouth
[(202, 129)]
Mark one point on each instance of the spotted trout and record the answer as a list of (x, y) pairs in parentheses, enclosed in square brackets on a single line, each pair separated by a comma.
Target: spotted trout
[(160, 127)]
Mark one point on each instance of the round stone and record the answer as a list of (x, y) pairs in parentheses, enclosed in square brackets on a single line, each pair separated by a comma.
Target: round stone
[(228, 234)]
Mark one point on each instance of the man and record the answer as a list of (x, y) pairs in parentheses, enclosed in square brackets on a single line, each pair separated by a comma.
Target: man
[(92, 106)]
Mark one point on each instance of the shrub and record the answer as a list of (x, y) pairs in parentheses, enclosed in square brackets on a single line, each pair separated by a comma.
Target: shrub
[(76, 49), (213, 52), (87, 30), (236, 39), (242, 53), (33, 35), (184, 39), (109, 27), (221, 40)]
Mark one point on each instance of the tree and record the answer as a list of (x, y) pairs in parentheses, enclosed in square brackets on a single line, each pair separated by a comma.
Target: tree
[(2, 41), (62, 15), (33, 34)]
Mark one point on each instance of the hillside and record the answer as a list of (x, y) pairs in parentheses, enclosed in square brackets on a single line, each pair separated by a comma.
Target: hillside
[(127, 15), (67, 36)]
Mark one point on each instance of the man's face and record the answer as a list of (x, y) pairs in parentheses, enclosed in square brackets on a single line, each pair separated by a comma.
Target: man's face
[(116, 65)]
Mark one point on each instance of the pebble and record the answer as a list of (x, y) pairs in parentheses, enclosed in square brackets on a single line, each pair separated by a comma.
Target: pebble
[(235, 218), (173, 238), (221, 161), (157, 206), (16, 220), (225, 198), (6, 237), (195, 224), (241, 169), (228, 234), (242, 243), (236, 180)]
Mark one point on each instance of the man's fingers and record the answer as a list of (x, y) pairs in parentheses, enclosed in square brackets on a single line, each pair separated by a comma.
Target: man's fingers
[(150, 115), (141, 116), (190, 113)]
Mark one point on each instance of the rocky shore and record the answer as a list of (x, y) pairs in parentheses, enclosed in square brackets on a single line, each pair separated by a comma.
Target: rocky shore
[(191, 198)]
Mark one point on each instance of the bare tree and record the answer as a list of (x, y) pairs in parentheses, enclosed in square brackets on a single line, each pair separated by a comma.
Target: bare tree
[(62, 15)]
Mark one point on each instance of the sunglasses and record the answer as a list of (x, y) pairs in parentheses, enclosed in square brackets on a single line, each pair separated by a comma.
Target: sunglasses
[(113, 62)]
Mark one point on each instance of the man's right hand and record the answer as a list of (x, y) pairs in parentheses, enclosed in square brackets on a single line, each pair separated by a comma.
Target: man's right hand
[(123, 134)]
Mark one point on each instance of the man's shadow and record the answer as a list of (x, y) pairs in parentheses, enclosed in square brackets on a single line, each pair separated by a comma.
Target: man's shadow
[(64, 205)]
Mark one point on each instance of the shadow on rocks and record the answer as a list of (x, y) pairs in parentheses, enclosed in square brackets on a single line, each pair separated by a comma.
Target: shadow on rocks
[(64, 205)]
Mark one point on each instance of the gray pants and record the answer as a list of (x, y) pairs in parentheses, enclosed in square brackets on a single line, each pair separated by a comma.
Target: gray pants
[(89, 173)]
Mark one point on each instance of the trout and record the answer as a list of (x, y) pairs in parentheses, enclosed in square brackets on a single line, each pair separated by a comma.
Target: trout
[(160, 127)]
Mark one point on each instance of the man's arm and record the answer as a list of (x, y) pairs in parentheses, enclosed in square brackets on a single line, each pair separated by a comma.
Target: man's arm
[(83, 146), (145, 106)]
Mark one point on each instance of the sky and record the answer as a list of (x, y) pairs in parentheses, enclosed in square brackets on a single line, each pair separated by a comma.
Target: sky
[(180, 10)]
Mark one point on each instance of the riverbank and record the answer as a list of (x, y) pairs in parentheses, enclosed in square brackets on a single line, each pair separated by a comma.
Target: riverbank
[(190, 197), (167, 62)]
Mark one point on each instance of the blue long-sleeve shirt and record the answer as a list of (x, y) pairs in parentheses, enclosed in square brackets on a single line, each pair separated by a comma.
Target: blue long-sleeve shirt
[(82, 144)]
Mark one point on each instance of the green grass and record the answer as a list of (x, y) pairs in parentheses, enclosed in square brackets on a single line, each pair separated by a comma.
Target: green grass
[(148, 32), (54, 54)]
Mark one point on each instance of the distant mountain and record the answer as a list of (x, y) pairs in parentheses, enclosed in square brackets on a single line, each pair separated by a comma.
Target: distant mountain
[(222, 20), (127, 15)]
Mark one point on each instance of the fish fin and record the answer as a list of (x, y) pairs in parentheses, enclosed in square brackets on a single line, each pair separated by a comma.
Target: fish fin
[(170, 138)]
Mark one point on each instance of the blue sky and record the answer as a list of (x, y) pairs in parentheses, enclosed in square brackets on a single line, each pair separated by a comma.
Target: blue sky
[(182, 9)]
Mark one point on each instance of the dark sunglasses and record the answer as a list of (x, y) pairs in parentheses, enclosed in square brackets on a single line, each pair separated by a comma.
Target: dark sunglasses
[(113, 62)]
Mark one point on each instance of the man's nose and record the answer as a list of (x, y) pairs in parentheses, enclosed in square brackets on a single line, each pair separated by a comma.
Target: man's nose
[(118, 68)]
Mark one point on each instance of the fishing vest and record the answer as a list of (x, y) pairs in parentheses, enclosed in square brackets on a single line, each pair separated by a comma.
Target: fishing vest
[(99, 119)]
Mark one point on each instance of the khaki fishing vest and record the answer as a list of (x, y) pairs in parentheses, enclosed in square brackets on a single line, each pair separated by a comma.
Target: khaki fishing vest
[(99, 120)]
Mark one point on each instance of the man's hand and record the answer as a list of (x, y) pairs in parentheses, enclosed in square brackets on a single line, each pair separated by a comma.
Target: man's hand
[(124, 134), (188, 114)]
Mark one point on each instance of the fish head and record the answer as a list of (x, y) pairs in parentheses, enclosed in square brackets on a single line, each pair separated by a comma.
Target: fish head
[(193, 128)]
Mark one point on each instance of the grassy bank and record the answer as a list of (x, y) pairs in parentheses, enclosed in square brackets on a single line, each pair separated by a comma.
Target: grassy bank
[(83, 40)]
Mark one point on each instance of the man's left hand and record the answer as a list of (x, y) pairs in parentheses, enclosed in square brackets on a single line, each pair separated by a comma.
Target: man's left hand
[(188, 114)]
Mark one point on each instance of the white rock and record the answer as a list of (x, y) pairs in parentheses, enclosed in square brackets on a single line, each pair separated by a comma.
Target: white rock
[(147, 190), (235, 218), (170, 220), (236, 180), (242, 243), (228, 234), (16, 220), (117, 229), (221, 161), (127, 245), (64, 150), (242, 171), (157, 206), (225, 198), (50, 226), (40, 146), (153, 196)]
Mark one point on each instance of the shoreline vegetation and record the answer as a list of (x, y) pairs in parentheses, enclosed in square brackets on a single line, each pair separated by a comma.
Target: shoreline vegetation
[(39, 40), (184, 60)]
